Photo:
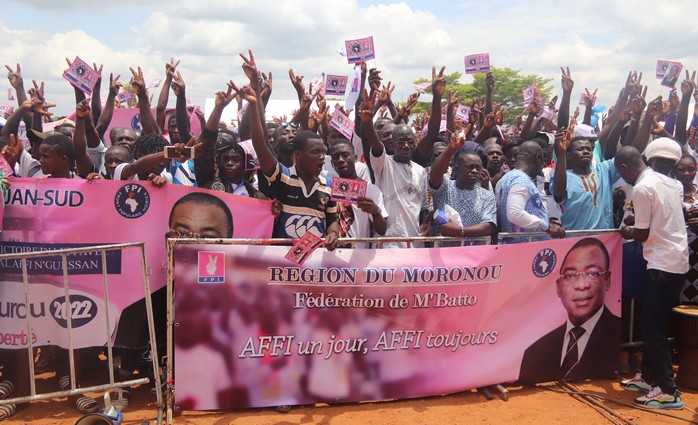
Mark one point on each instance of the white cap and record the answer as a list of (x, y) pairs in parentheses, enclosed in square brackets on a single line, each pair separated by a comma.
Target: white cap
[(663, 147)]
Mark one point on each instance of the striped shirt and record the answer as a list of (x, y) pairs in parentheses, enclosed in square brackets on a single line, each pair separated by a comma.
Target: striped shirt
[(302, 211)]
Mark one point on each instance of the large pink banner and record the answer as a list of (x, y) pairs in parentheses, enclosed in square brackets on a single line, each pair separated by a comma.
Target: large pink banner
[(50, 214), (354, 325)]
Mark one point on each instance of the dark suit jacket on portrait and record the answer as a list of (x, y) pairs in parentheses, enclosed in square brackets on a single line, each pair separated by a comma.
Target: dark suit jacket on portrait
[(541, 361)]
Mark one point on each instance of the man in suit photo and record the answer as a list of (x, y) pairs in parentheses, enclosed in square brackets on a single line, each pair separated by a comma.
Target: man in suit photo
[(587, 345)]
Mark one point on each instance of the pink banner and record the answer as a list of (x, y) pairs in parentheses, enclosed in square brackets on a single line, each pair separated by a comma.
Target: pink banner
[(50, 214), (353, 325)]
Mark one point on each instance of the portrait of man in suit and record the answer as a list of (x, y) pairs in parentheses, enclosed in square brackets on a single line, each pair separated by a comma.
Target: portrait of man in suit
[(587, 344)]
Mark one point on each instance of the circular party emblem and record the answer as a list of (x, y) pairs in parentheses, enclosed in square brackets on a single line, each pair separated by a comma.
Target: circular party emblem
[(132, 200), (544, 263)]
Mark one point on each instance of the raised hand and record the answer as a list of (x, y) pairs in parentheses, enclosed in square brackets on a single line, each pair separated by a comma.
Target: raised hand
[(307, 99), (674, 102), (178, 86), (562, 140), (412, 100), (637, 104), (138, 82), (82, 110), (452, 98), (566, 80), (499, 115), (489, 81), (366, 112), (385, 94), (297, 81), (266, 85), (657, 129), (12, 151), (689, 84), (247, 93), (39, 106), (590, 99), (15, 76), (250, 68), (316, 118), (37, 91), (171, 66), (374, 79), (223, 98), (576, 114), (490, 120), (114, 84), (321, 102), (625, 114), (655, 107), (99, 72), (438, 82)]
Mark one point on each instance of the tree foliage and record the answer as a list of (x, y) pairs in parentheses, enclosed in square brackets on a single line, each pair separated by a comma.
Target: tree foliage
[(507, 90)]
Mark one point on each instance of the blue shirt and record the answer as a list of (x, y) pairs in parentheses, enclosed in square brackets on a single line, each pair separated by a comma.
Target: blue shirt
[(588, 202)]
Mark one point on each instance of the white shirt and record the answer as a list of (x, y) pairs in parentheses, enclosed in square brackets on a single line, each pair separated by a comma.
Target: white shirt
[(659, 208), (584, 339), (361, 227), (97, 155), (361, 169), (27, 166), (516, 210), (404, 189)]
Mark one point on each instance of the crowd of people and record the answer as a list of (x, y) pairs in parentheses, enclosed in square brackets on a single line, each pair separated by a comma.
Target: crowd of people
[(634, 170)]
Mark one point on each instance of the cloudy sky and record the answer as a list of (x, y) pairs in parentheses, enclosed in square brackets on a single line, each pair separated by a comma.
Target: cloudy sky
[(599, 40)]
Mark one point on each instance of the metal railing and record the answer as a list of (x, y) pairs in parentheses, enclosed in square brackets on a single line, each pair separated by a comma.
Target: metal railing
[(112, 384)]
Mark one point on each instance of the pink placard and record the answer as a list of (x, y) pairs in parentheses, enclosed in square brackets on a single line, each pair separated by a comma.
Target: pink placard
[(6, 110), (81, 75), (360, 50), (463, 113), (156, 82), (303, 247), (348, 190), (477, 63), (335, 85), (342, 123), (671, 74), (124, 96), (529, 93), (422, 86)]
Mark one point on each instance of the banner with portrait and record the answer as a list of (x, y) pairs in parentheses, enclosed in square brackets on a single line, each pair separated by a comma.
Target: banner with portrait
[(51, 214), (254, 329)]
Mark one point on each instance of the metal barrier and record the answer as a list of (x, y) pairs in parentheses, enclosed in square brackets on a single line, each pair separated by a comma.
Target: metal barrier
[(112, 384)]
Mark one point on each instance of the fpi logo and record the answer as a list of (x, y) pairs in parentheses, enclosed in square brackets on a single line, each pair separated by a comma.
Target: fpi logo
[(544, 263), (132, 200), (211, 267)]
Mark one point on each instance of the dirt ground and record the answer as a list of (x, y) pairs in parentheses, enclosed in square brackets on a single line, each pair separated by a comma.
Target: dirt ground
[(525, 405)]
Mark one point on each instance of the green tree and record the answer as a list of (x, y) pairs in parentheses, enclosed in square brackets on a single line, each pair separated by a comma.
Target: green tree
[(507, 90)]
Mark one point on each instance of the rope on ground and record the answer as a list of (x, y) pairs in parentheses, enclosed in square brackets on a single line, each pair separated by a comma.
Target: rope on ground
[(632, 406), (608, 413)]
